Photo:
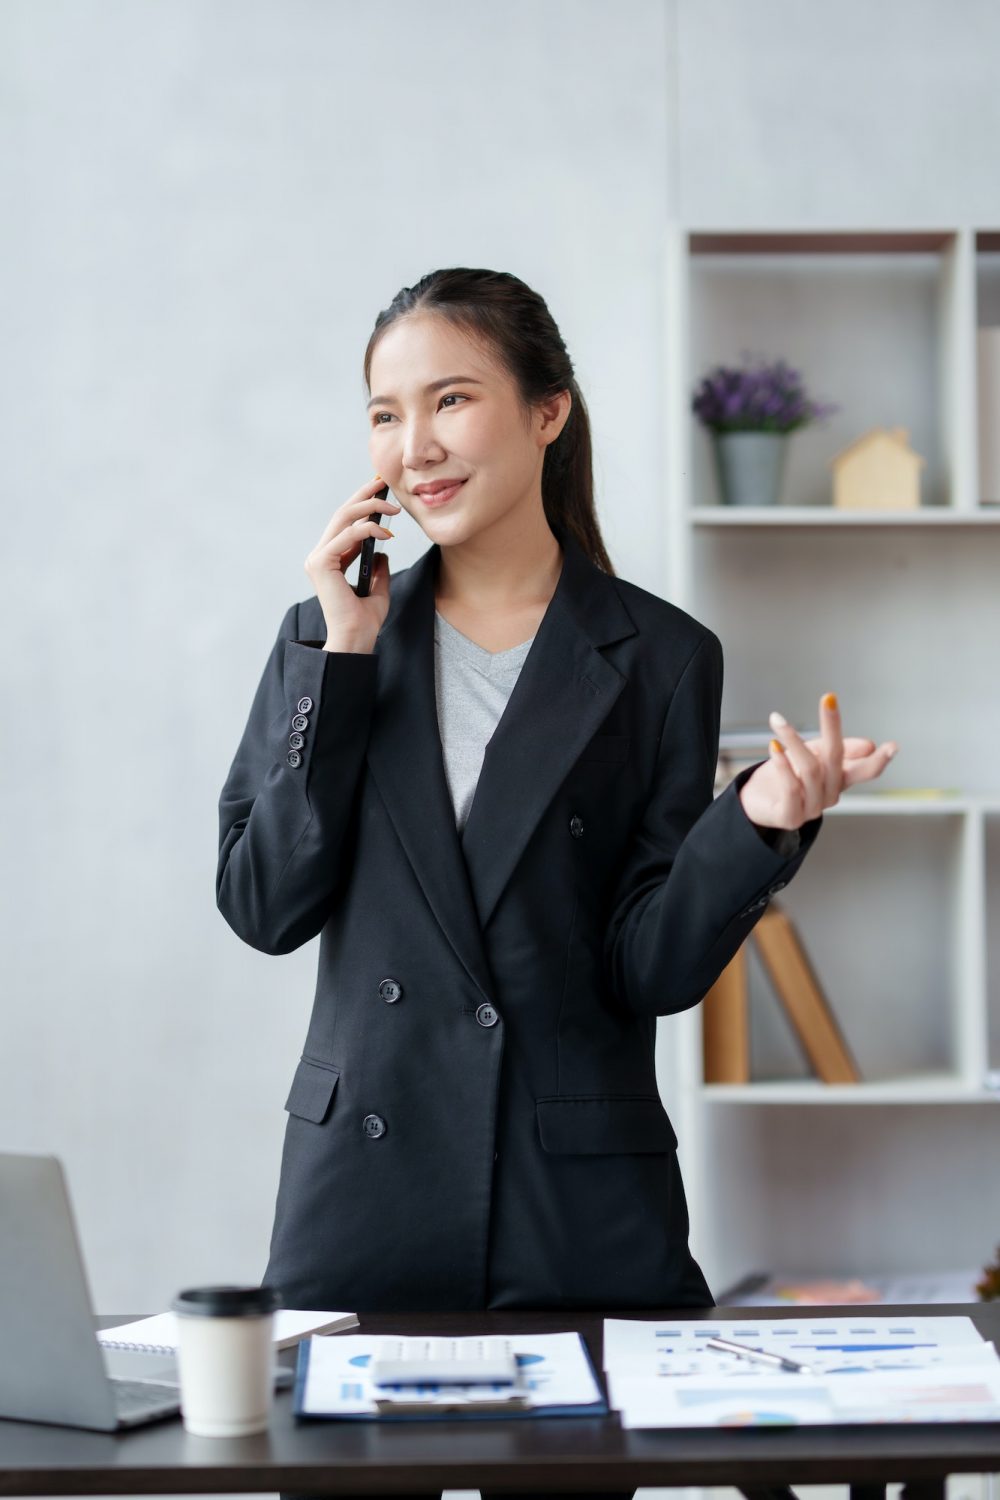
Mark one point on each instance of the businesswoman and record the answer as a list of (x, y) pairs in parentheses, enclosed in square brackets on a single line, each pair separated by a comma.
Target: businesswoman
[(488, 787)]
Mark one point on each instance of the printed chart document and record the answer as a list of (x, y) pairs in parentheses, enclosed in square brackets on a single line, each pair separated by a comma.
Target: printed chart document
[(861, 1369), (332, 1381)]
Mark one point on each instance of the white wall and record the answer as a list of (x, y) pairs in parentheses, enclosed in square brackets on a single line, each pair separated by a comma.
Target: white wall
[(863, 112), (205, 206)]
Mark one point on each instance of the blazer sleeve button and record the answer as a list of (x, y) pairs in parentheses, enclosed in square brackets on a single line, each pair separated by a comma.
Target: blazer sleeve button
[(300, 722), (294, 758), (304, 705), (296, 741)]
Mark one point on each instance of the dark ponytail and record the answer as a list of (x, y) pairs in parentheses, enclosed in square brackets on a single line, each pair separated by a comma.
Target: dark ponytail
[(513, 322)]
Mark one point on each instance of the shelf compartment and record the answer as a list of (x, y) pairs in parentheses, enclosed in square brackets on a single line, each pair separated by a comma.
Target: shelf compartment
[(900, 987), (880, 322), (903, 628), (853, 1192)]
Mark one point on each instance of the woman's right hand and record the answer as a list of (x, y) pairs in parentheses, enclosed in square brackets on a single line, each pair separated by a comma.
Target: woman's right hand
[(352, 622)]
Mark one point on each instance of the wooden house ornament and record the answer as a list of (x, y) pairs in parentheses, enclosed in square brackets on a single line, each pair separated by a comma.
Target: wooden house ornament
[(879, 471)]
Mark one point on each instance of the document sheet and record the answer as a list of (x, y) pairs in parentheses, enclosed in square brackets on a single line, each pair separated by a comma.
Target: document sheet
[(860, 1369)]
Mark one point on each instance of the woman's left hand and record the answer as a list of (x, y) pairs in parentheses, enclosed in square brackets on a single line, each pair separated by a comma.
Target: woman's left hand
[(802, 777)]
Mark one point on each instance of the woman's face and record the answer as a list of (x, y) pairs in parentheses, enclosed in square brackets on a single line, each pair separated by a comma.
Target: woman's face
[(471, 428)]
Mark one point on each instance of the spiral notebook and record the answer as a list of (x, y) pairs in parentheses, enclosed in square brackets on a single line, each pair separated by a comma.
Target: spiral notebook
[(158, 1334)]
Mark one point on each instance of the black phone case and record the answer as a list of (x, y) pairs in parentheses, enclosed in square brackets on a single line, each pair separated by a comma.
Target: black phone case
[(366, 568)]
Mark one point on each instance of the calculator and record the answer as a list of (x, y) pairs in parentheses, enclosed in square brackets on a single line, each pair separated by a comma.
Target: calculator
[(471, 1360)]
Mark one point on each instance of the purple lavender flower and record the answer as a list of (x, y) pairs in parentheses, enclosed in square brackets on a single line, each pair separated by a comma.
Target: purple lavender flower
[(759, 397)]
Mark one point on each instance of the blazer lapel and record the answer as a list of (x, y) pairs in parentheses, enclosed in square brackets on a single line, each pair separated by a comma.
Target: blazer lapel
[(563, 692), (407, 762)]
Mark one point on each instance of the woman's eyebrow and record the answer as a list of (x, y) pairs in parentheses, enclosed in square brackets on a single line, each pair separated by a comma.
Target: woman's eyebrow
[(435, 385)]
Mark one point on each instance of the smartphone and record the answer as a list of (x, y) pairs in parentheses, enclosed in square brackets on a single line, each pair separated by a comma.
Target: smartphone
[(364, 583)]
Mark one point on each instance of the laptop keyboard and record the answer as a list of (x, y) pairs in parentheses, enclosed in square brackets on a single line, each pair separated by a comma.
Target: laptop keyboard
[(134, 1396)]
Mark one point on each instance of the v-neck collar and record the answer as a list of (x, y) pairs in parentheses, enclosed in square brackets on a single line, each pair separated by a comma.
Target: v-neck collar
[(563, 692)]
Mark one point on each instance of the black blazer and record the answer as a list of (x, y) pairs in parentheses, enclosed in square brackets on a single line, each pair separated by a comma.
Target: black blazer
[(475, 1121)]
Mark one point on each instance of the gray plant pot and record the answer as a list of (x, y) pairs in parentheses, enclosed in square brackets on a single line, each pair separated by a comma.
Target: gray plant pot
[(750, 466)]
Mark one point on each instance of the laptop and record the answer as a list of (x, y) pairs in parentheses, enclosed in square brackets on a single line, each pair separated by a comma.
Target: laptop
[(52, 1368)]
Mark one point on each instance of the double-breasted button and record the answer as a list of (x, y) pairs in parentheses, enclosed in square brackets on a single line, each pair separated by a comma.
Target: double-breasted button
[(304, 705), (300, 722), (296, 740), (487, 1016), (390, 990), (374, 1126), (294, 758), (576, 826)]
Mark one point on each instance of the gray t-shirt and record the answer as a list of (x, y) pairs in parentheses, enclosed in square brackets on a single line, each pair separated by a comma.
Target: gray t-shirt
[(472, 687)]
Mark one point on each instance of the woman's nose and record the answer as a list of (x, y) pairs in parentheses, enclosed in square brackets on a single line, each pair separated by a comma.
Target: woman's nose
[(420, 449)]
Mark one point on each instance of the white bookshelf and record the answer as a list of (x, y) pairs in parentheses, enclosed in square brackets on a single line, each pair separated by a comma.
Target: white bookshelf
[(899, 612), (916, 1088)]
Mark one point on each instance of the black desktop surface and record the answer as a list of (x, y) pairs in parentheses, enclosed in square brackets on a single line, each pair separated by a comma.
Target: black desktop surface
[(545, 1455)]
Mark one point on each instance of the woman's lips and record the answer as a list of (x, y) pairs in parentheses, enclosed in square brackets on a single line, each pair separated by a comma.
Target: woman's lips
[(441, 497)]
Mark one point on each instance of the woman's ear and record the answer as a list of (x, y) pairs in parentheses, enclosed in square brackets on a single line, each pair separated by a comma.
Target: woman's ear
[(553, 415)]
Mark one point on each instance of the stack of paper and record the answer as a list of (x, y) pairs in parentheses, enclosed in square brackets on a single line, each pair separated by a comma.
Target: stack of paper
[(332, 1380), (861, 1369)]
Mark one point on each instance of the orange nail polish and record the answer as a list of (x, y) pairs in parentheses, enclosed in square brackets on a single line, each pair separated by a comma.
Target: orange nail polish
[(830, 700), (777, 747)]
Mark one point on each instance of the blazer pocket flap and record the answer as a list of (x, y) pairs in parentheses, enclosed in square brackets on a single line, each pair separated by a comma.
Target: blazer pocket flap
[(311, 1091), (606, 747), (604, 1124)]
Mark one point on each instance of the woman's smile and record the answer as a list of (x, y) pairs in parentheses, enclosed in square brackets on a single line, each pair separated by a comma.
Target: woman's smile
[(439, 497)]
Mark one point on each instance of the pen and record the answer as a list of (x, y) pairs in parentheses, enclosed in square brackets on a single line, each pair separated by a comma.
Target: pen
[(744, 1351)]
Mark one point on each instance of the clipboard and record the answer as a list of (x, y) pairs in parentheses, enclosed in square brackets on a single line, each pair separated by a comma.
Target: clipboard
[(468, 1412)]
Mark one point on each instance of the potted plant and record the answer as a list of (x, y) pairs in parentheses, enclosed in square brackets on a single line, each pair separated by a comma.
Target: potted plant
[(749, 412)]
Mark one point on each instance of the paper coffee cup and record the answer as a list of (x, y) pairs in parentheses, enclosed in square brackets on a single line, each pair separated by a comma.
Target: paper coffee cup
[(225, 1354)]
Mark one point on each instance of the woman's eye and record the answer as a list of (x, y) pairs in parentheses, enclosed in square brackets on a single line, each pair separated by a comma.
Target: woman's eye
[(448, 396)]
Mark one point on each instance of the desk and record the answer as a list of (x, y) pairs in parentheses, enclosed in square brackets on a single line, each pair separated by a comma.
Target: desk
[(547, 1454)]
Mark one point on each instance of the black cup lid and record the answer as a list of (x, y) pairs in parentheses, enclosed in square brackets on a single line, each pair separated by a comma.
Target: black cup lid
[(227, 1301)]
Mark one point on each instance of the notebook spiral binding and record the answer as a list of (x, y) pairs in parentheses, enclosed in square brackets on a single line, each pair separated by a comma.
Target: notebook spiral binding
[(143, 1348)]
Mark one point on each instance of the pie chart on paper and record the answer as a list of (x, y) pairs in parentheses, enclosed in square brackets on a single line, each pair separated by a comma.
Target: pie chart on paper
[(757, 1419)]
